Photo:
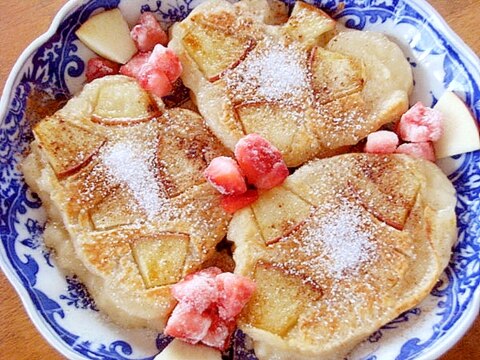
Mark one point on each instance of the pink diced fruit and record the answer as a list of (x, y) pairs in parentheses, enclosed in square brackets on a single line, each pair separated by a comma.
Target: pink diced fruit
[(155, 81), (261, 162), (233, 203), (212, 321), (147, 33), (166, 60), (197, 291), (234, 293), (219, 333), (381, 142), (133, 67), (155, 71), (188, 324), (99, 67), (421, 150), (224, 174), (421, 124)]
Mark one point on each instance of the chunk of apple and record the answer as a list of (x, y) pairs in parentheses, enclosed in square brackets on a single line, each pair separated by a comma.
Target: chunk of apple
[(461, 131), (179, 350), (108, 35), (307, 24)]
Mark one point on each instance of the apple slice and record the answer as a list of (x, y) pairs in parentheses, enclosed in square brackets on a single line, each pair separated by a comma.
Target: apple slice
[(67, 146), (307, 24), (461, 131), (179, 350), (108, 35)]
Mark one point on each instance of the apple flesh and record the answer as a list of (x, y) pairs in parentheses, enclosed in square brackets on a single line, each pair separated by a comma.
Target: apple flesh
[(179, 350), (307, 24), (108, 35), (461, 131)]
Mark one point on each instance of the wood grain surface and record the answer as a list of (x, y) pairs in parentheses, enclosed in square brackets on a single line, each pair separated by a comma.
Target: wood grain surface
[(23, 21)]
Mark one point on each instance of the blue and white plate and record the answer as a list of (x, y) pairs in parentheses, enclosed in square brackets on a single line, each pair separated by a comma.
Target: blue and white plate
[(59, 305)]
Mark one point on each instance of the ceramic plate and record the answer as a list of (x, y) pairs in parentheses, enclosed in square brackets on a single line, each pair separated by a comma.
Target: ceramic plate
[(59, 305)]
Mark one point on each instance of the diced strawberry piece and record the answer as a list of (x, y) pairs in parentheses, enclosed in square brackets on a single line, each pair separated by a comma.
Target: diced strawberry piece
[(421, 124), (219, 333), (232, 203), (155, 71), (167, 61), (188, 324), (423, 150), (209, 302), (234, 293), (148, 33), (155, 81), (381, 142), (133, 67), (199, 292), (99, 67), (261, 162), (224, 174)]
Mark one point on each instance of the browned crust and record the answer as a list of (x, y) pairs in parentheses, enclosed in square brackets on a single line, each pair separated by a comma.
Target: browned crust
[(251, 43), (72, 170)]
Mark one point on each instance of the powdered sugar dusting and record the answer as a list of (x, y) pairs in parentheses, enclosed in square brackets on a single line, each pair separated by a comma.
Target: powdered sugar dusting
[(272, 72), (335, 242), (345, 238), (128, 163)]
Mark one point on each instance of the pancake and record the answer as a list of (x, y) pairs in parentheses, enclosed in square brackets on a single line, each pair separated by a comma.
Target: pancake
[(344, 246), (129, 210), (306, 86)]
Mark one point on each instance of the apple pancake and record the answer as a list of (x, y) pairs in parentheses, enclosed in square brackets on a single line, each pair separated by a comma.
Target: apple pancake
[(344, 246), (129, 209), (301, 83)]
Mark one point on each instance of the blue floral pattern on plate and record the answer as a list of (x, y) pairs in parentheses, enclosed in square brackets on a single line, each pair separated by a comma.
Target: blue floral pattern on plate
[(58, 65)]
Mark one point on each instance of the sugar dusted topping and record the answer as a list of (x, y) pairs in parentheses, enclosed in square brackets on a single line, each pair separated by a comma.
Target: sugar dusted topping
[(272, 72), (335, 242), (345, 238), (128, 163)]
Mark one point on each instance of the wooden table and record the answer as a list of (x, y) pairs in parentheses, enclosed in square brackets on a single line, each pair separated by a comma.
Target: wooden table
[(23, 21)]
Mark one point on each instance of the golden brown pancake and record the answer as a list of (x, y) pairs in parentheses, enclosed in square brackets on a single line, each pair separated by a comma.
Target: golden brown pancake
[(344, 246), (129, 209), (297, 82)]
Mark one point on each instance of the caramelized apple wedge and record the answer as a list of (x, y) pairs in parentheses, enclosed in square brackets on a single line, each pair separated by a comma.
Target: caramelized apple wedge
[(161, 258), (108, 35), (68, 146), (335, 75), (214, 48), (307, 24), (277, 303)]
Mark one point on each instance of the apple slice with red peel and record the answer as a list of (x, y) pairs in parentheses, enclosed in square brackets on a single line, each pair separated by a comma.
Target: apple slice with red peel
[(68, 146), (307, 24), (108, 35), (179, 349), (461, 130)]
